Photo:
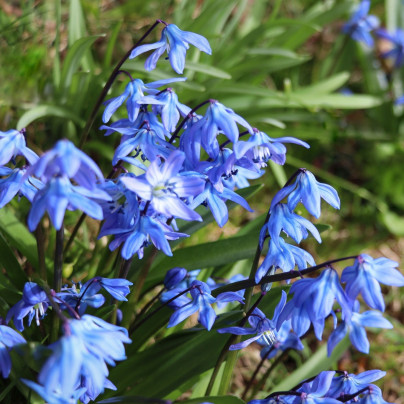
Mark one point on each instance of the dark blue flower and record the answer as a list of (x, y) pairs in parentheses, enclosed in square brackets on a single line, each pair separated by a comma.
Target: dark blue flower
[(34, 303), (12, 144), (364, 277), (8, 339), (315, 392), (361, 24), (202, 301), (174, 276), (263, 328), (176, 42)]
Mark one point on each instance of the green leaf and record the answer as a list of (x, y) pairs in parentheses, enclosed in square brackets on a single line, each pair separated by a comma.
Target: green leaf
[(326, 86), (11, 265), (42, 111), (207, 69), (215, 400), (18, 236), (77, 25), (393, 222), (74, 58)]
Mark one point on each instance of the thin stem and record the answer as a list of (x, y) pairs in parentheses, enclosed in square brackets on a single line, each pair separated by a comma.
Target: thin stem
[(57, 279), (58, 261), (275, 363), (254, 375), (74, 232), (234, 287), (40, 245), (138, 324), (123, 273), (108, 85), (148, 305)]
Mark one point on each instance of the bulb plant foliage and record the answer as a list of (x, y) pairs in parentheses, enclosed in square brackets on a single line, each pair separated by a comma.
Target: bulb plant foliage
[(176, 166)]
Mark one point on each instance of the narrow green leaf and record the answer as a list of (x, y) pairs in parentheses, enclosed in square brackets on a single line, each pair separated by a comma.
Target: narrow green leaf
[(42, 111), (207, 69), (18, 236), (11, 265), (74, 58), (326, 86)]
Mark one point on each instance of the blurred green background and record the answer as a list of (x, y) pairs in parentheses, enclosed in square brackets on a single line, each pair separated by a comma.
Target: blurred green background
[(284, 66)]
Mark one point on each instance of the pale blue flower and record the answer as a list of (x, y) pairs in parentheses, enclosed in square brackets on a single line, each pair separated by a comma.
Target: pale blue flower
[(12, 144)]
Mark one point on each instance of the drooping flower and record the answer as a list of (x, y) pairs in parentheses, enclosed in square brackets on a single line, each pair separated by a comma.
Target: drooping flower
[(364, 277), (263, 328), (176, 42), (313, 300), (135, 97), (12, 144), (65, 159), (202, 301), (361, 24), (8, 339), (34, 303), (260, 148), (58, 195), (17, 184), (355, 327), (307, 190)]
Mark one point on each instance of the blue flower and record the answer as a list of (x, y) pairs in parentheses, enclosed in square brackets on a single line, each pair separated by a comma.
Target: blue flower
[(397, 41), (64, 159), (202, 301), (364, 277), (144, 230), (315, 392), (218, 118), (313, 300), (264, 328), (170, 109), (165, 187), (349, 383), (57, 196), (260, 148), (309, 191), (285, 339), (361, 24), (8, 339), (118, 288), (174, 276), (34, 303), (355, 326), (295, 226), (12, 144), (135, 98), (176, 42), (284, 256), (16, 183), (79, 359)]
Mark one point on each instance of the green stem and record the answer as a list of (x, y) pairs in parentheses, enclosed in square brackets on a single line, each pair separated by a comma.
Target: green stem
[(135, 294), (40, 245), (57, 279), (74, 232), (264, 378), (108, 85)]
